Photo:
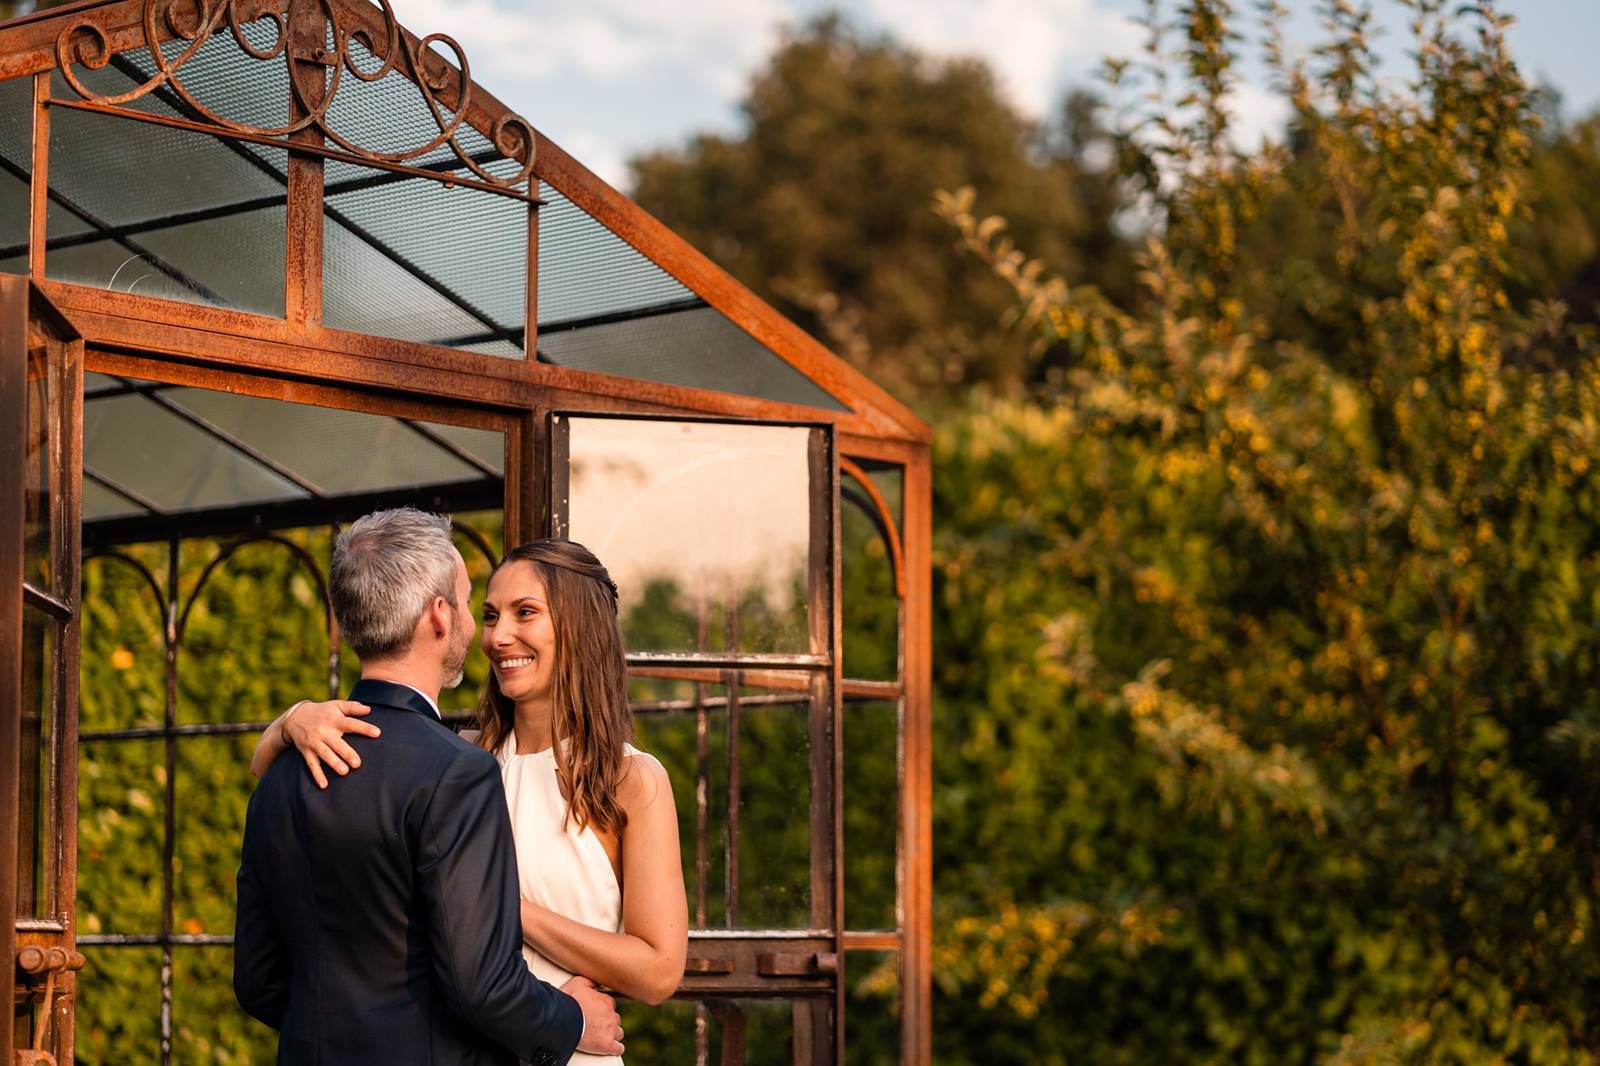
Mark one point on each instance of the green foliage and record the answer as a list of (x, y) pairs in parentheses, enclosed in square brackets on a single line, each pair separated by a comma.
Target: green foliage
[(821, 206), (1264, 644)]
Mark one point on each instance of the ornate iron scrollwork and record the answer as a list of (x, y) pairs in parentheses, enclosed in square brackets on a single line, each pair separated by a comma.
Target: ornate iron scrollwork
[(84, 42)]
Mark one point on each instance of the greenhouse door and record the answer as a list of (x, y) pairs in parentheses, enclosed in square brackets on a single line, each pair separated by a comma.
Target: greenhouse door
[(41, 375), (212, 500), (721, 537)]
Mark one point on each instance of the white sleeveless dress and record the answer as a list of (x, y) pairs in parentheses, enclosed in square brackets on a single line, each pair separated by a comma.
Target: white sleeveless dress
[(558, 867)]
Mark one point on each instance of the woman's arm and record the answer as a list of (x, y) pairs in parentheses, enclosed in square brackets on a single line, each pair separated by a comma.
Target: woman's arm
[(317, 730), (646, 961)]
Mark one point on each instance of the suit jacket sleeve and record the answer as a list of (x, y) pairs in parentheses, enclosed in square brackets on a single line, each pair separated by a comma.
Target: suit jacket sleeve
[(260, 957), (467, 871)]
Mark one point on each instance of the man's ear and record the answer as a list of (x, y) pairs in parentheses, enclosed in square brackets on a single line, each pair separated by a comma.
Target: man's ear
[(439, 613)]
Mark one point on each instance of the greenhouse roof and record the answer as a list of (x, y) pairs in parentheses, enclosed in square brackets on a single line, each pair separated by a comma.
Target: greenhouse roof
[(437, 227)]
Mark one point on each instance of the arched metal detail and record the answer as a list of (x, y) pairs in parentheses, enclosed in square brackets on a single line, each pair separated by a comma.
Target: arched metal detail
[(232, 549), (477, 540), (84, 42), (876, 508), (144, 572)]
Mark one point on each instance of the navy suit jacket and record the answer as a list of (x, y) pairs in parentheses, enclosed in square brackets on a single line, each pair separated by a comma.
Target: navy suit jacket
[(378, 920)]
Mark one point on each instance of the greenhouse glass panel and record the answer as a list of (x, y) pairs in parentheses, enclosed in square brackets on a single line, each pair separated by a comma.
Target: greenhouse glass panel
[(705, 527), (606, 307)]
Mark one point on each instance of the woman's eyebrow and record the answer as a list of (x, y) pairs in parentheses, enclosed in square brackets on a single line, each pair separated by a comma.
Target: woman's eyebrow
[(490, 605)]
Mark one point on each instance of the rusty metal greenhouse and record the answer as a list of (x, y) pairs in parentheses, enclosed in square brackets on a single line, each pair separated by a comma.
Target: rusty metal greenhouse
[(266, 266)]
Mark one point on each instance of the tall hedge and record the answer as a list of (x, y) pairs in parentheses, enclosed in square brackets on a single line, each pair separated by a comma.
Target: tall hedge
[(1267, 630)]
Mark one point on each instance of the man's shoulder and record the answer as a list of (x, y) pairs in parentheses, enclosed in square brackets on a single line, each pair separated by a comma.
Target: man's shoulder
[(417, 728), (437, 742)]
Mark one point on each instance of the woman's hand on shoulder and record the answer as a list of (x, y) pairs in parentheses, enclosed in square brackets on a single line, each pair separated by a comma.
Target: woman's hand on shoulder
[(317, 730)]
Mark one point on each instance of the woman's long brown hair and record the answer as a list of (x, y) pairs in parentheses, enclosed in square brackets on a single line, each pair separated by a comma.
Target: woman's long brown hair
[(590, 720)]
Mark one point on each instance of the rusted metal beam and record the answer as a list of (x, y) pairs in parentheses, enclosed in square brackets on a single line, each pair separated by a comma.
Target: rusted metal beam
[(38, 175), (222, 337), (722, 660), (733, 745), (13, 459), (915, 905), (70, 572), (302, 271)]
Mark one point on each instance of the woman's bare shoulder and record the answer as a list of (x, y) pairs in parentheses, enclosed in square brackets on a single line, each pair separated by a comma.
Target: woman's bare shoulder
[(469, 735), (643, 779)]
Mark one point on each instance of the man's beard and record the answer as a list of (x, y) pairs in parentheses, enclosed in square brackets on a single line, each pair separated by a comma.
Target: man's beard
[(455, 663)]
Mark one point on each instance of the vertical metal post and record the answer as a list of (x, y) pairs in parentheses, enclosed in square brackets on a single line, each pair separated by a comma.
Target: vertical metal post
[(333, 625), (70, 590), (169, 821), (916, 797), (302, 293), (734, 679), (525, 491), (13, 457), (530, 304), (731, 1017), (39, 187), (560, 498), (702, 817), (824, 455), (37, 659)]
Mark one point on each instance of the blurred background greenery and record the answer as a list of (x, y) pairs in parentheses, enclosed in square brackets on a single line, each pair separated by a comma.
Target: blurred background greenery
[(1267, 563), (1265, 522)]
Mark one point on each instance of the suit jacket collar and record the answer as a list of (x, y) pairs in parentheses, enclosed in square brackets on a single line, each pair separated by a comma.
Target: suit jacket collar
[(389, 694)]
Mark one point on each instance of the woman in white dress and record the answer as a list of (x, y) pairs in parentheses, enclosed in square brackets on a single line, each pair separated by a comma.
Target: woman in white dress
[(593, 817)]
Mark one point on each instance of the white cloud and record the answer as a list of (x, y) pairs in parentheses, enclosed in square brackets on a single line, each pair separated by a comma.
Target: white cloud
[(1032, 45), (716, 41), (1259, 114), (609, 78), (600, 154)]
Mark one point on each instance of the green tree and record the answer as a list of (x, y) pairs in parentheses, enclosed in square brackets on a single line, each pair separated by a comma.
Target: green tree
[(1556, 243), (1265, 648), (821, 205)]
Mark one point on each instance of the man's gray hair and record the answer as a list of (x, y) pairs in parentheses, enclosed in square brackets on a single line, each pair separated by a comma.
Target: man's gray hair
[(387, 567)]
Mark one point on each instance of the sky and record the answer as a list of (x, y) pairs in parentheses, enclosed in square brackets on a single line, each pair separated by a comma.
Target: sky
[(609, 79)]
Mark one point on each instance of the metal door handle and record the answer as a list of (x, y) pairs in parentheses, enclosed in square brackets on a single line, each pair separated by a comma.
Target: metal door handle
[(34, 960), (52, 962)]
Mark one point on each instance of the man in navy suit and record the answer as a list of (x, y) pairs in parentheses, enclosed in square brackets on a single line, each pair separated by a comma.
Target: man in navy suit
[(378, 919)]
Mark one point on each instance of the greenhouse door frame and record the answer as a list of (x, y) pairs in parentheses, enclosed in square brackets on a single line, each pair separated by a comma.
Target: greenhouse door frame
[(44, 946), (41, 359), (530, 511)]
